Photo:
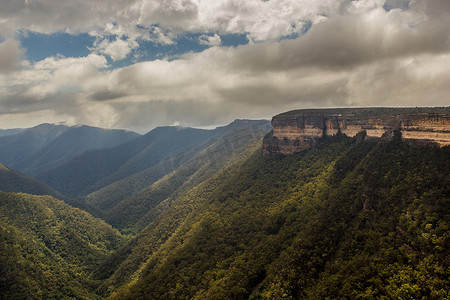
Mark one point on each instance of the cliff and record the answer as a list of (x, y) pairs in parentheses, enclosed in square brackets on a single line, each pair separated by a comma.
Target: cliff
[(297, 130)]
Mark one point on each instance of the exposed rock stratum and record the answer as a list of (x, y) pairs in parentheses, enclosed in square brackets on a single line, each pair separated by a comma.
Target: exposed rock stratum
[(297, 130)]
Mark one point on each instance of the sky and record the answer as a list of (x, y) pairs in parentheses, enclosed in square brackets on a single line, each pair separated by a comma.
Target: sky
[(139, 64)]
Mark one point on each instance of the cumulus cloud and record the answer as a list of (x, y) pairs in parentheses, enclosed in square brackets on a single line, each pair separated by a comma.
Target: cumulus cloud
[(209, 40), (259, 19), (117, 49), (175, 13), (357, 53), (47, 16), (53, 84)]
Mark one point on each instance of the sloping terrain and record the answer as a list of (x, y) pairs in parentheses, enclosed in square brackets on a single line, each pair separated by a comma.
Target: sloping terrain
[(34, 150), (48, 248), (17, 182), (73, 141), (95, 169), (340, 220), (136, 210), (5, 132), (164, 148), (14, 148), (213, 218)]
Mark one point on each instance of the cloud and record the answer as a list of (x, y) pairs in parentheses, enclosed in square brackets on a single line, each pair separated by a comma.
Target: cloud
[(413, 81), (259, 19), (214, 40), (117, 49), (10, 55), (136, 19), (175, 13), (431, 8), (350, 40), (357, 54), (48, 16)]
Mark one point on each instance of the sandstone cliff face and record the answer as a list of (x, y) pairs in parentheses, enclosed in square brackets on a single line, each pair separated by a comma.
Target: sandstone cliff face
[(298, 130)]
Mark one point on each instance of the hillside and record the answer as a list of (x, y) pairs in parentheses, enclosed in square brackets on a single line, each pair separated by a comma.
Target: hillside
[(141, 207), (17, 182), (344, 219), (46, 146), (214, 218), (5, 132), (164, 149), (48, 248), (73, 141), (14, 148)]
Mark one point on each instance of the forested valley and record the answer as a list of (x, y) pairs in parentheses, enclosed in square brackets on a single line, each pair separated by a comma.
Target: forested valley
[(202, 214)]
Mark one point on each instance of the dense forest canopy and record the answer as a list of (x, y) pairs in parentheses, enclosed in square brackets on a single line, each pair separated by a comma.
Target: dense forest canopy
[(49, 249), (364, 220)]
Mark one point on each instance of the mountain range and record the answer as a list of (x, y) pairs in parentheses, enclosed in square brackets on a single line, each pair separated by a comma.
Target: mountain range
[(4, 132), (43, 147), (154, 154), (184, 213)]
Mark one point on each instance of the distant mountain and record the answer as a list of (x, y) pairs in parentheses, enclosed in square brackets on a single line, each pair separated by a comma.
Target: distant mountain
[(5, 132), (14, 148), (49, 249), (71, 142), (46, 146), (165, 148)]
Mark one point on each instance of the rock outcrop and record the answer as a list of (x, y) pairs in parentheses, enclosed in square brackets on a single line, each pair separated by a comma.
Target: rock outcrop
[(300, 129)]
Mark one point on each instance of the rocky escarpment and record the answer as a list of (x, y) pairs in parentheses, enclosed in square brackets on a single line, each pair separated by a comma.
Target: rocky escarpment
[(300, 129)]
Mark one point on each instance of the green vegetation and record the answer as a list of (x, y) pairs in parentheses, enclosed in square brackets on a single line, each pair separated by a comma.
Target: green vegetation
[(347, 219), (48, 248), (166, 216), (381, 232), (138, 210), (366, 220)]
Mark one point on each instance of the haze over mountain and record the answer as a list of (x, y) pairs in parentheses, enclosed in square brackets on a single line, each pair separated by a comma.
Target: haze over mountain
[(16, 147), (164, 148), (46, 146), (4, 132)]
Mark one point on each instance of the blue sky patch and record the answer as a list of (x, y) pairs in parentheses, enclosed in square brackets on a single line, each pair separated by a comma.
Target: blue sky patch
[(393, 4), (40, 46), (189, 42)]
